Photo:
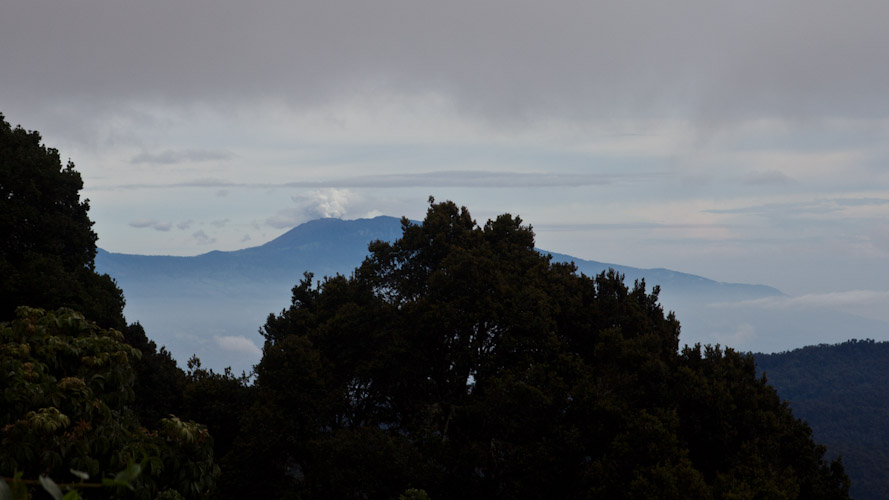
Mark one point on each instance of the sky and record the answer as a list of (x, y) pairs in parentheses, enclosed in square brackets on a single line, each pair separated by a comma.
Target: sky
[(742, 141)]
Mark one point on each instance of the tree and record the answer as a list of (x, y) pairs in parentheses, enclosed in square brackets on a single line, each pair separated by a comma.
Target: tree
[(842, 391), (48, 246), (159, 382), (220, 401), (67, 386), (460, 361)]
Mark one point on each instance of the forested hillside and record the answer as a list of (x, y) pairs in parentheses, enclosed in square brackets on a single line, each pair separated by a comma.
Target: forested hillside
[(842, 390)]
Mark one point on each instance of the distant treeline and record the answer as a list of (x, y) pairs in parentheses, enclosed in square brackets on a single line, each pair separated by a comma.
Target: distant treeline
[(842, 390)]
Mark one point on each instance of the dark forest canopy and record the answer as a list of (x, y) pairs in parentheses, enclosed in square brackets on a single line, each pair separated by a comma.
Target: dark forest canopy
[(460, 361), (48, 247), (842, 390)]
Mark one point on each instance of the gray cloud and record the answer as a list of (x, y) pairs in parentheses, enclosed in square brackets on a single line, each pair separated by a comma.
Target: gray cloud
[(768, 177), (170, 157), (151, 223), (499, 58), (796, 208), (861, 202), (185, 224), (634, 226), (488, 179), (445, 178), (201, 238)]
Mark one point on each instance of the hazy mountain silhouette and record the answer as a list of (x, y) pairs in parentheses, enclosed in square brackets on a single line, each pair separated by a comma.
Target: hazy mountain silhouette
[(213, 304)]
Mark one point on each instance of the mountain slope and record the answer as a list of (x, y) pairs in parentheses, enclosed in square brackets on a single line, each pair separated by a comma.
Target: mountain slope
[(842, 391), (327, 246)]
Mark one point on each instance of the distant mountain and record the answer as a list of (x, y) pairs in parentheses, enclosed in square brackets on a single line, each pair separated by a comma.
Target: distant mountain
[(213, 304), (674, 282), (842, 391), (742, 316), (326, 246)]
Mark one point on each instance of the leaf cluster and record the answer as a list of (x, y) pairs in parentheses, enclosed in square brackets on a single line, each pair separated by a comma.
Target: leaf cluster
[(67, 390)]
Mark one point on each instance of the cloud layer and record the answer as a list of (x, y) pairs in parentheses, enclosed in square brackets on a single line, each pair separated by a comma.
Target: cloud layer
[(500, 58), (745, 141)]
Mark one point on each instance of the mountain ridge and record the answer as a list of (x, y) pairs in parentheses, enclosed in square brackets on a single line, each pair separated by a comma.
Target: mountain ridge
[(387, 228), (207, 303)]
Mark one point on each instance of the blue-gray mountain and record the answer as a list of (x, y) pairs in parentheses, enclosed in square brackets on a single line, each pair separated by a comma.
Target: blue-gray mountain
[(213, 304)]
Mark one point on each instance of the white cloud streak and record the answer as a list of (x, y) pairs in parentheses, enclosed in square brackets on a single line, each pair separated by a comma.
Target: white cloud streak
[(834, 300), (170, 157), (237, 344), (438, 179)]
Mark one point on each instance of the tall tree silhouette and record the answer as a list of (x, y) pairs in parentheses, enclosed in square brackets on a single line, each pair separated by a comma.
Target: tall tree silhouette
[(48, 247), (460, 361)]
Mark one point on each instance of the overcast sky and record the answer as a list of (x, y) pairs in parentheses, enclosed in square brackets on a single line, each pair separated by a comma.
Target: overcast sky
[(743, 141)]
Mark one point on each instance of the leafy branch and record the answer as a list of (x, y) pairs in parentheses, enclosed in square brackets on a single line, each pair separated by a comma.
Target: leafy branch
[(16, 488)]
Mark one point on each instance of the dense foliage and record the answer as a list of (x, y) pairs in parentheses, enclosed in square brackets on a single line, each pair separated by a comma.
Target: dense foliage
[(459, 361), (74, 394), (159, 383), (67, 389), (841, 390)]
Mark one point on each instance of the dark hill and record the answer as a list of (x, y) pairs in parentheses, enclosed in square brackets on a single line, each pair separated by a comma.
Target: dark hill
[(842, 391)]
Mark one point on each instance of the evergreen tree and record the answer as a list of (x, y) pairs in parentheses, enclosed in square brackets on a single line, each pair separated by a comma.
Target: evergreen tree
[(48, 246)]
